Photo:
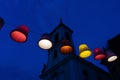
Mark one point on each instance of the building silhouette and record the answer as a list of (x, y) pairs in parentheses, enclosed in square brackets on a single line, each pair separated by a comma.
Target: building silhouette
[(68, 66), (113, 67)]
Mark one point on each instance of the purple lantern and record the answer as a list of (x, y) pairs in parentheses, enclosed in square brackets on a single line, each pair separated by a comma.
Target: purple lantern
[(111, 56)]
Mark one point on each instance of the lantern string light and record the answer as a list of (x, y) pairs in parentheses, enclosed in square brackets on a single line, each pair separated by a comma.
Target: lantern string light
[(98, 54), (35, 32), (110, 55), (10, 24), (45, 42), (20, 35), (84, 51)]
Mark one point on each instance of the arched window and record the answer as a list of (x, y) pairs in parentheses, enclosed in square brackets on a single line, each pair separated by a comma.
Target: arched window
[(68, 36), (55, 54), (56, 39), (55, 76), (99, 78), (44, 67)]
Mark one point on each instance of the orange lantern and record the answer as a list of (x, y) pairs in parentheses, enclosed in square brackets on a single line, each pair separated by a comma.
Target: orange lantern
[(19, 34), (66, 47), (1, 22)]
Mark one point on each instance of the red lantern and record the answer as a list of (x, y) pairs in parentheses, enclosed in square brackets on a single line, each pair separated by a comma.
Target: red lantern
[(1, 22), (19, 34), (66, 47), (98, 54)]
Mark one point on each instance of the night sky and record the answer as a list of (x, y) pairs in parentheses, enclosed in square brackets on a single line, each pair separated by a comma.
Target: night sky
[(93, 23)]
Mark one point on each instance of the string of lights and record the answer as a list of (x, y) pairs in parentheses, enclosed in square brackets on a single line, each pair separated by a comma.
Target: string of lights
[(20, 34)]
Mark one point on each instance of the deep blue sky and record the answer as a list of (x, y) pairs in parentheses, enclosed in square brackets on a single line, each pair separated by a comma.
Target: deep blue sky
[(93, 22)]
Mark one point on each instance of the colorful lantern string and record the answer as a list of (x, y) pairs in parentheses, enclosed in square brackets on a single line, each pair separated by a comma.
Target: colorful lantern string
[(20, 34), (84, 51), (111, 56), (98, 54), (66, 47), (45, 41)]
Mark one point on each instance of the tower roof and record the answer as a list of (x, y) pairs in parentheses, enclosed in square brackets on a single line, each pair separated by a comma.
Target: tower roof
[(76, 58), (61, 24)]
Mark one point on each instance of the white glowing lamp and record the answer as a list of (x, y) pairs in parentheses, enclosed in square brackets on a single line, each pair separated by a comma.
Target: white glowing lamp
[(45, 42), (111, 56)]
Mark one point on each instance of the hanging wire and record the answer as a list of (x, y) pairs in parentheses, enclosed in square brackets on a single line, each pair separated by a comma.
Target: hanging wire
[(29, 30), (35, 32), (10, 24)]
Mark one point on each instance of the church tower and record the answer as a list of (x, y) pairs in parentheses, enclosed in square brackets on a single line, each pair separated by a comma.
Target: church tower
[(64, 64)]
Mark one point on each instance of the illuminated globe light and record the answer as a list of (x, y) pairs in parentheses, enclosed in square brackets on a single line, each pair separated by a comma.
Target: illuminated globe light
[(111, 56), (19, 34), (1, 22), (45, 41), (66, 47), (84, 51), (98, 54)]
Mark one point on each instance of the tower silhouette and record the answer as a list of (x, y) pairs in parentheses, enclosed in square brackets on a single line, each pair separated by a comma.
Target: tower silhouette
[(68, 66)]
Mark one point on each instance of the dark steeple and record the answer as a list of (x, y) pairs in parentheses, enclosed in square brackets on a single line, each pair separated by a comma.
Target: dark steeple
[(61, 24), (63, 63)]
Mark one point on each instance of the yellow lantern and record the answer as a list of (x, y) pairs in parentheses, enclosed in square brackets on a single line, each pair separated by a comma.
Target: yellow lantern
[(66, 47), (84, 51)]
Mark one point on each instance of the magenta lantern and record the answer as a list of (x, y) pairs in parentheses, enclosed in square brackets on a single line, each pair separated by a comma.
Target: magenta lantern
[(98, 54), (19, 34), (1, 22)]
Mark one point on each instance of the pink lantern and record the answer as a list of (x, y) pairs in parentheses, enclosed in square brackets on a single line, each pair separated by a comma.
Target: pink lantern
[(1, 22), (19, 34), (98, 54)]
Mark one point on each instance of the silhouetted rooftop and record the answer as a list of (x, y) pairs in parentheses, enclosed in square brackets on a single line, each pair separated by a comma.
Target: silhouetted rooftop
[(61, 25)]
